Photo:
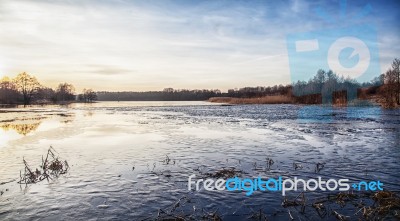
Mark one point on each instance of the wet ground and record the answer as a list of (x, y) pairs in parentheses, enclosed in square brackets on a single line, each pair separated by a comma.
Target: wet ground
[(132, 159)]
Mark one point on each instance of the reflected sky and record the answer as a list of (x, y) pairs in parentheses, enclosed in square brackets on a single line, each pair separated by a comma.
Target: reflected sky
[(18, 122), (13, 126)]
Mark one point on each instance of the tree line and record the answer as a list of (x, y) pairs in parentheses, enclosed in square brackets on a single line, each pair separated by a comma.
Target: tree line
[(322, 87), (326, 84), (170, 94), (26, 89)]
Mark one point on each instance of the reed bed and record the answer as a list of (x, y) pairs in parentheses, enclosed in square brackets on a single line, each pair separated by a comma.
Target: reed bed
[(341, 206)]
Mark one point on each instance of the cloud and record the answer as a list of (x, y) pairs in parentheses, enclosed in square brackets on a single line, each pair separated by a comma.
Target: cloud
[(135, 45), (108, 70)]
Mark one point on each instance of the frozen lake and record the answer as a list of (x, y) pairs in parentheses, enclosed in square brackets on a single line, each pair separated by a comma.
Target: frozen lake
[(132, 159)]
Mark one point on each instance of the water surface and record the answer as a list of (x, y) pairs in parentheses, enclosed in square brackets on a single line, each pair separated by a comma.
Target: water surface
[(118, 150)]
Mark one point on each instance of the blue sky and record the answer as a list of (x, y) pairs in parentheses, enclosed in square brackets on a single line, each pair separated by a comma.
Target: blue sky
[(150, 45)]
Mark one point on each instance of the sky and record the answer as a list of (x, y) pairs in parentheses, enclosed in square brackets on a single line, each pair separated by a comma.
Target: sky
[(143, 45)]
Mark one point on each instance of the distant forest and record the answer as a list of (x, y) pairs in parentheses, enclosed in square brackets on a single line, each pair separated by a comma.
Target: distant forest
[(324, 87), (328, 87), (324, 82), (170, 94)]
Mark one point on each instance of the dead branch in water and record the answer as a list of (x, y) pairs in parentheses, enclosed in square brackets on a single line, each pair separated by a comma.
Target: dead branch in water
[(51, 167)]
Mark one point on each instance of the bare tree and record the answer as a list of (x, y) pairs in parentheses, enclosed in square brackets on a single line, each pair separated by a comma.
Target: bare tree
[(8, 91), (27, 85), (65, 92), (391, 89), (46, 95), (396, 73), (88, 95), (388, 90)]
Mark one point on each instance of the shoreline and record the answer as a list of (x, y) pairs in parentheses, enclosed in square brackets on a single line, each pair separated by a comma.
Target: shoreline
[(281, 99), (277, 99)]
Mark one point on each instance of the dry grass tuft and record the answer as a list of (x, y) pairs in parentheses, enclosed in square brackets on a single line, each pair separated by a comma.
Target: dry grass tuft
[(225, 173), (51, 167), (386, 204)]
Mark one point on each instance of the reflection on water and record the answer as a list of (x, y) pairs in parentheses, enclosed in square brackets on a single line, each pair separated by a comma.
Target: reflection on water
[(26, 121), (23, 129), (117, 155)]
